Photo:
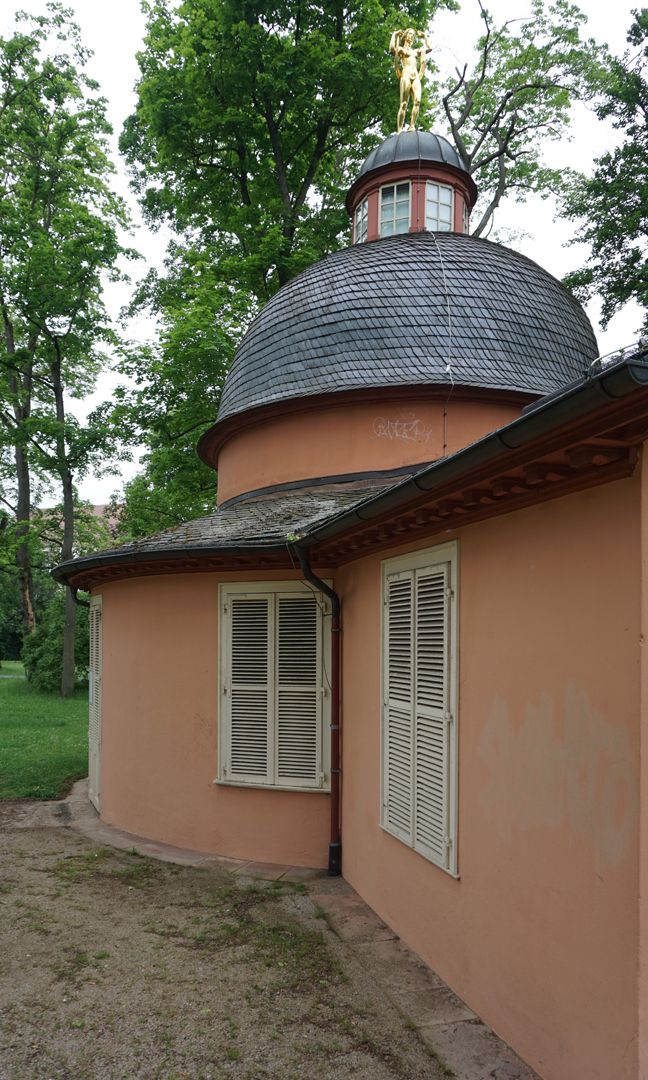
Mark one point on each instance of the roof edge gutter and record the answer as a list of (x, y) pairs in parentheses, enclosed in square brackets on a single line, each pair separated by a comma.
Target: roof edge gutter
[(65, 570)]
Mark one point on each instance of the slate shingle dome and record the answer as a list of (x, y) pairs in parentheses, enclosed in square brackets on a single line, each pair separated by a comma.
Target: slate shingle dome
[(412, 146), (415, 309)]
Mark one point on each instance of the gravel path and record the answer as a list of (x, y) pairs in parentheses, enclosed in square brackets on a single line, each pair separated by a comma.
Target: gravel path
[(114, 965)]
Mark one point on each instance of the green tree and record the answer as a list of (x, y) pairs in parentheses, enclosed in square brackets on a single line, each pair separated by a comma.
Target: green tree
[(612, 205), (252, 118), (42, 654), (10, 621), (174, 387), (517, 97), (59, 238), (43, 651)]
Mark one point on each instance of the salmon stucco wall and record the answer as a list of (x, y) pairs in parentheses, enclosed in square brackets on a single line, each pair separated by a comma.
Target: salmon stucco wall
[(354, 437), (159, 732), (540, 932), (643, 816)]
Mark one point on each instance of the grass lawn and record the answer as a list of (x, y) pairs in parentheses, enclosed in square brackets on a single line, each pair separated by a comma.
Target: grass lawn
[(12, 667), (43, 739)]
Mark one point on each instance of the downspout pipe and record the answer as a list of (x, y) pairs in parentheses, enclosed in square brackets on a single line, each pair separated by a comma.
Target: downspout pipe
[(335, 842)]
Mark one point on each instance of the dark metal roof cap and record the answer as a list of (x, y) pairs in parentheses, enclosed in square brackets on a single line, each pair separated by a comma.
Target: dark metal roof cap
[(411, 310), (412, 146)]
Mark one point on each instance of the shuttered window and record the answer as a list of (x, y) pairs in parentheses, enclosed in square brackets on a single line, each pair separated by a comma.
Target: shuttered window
[(419, 703), (274, 692)]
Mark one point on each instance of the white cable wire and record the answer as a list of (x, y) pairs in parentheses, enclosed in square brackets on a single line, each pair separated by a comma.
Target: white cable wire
[(448, 367)]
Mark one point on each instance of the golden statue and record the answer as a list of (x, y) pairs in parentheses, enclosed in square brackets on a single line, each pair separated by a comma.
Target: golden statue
[(409, 64)]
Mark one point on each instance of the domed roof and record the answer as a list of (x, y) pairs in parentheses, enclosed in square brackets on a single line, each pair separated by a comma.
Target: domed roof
[(412, 146), (420, 308)]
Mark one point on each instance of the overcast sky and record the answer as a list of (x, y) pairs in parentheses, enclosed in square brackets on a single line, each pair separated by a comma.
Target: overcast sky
[(114, 30)]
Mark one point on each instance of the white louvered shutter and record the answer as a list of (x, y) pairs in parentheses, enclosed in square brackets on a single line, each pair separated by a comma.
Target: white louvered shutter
[(298, 691), (432, 713), (248, 687), (398, 706), (94, 696)]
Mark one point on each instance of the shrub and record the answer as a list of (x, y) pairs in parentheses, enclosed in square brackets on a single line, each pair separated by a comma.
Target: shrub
[(42, 651)]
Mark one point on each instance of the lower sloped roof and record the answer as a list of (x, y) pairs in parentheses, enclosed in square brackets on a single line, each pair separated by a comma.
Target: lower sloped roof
[(255, 522)]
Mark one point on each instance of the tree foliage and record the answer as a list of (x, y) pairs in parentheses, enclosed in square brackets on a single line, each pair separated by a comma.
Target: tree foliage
[(43, 649), (612, 206), (253, 117), (42, 652), (174, 388), (59, 240), (516, 98)]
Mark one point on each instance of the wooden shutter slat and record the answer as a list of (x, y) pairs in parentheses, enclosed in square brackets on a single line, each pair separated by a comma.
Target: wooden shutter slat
[(431, 639), (249, 688), (397, 780), (432, 706), (418, 726), (298, 693)]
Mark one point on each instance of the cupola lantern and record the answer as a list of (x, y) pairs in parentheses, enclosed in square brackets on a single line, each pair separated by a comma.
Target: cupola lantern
[(413, 182)]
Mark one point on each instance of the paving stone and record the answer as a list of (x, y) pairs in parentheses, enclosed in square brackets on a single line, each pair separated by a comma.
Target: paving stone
[(299, 874), (397, 965), (352, 920), (436, 1006), (332, 886), (261, 871), (474, 1052)]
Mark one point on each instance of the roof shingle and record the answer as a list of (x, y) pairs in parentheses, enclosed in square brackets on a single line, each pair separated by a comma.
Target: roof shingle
[(422, 308)]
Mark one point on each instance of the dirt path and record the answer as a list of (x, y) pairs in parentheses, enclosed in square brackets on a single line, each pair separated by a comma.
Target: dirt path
[(113, 966)]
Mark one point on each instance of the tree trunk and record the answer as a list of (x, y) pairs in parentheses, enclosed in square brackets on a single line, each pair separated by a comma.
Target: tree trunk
[(67, 549), (69, 667), (20, 387), (23, 554)]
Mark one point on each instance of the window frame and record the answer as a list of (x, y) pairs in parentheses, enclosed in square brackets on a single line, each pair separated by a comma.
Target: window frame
[(227, 590), (361, 221), (439, 186), (394, 185), (425, 560)]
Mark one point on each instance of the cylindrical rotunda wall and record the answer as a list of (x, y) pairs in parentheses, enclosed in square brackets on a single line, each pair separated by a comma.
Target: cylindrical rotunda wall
[(361, 436), (160, 731)]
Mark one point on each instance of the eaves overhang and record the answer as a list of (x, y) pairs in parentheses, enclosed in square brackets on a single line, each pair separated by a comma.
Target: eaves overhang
[(588, 434), (86, 570)]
